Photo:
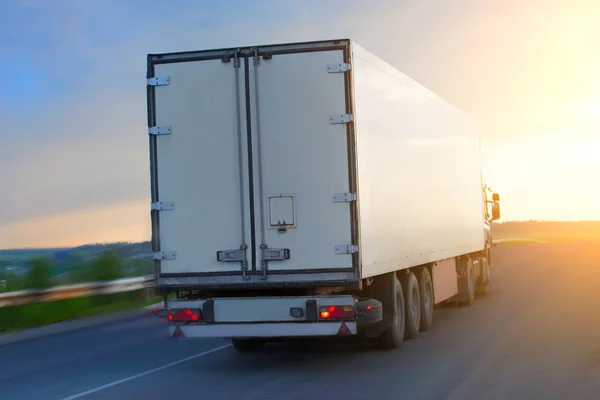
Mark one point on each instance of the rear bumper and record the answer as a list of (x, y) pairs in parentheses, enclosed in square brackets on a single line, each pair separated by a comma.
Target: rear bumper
[(264, 330), (261, 310), (265, 317)]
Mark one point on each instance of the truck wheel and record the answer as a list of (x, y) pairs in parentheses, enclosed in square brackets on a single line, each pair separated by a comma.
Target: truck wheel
[(393, 336), (427, 300), (247, 344), (412, 300), (469, 284), (486, 271)]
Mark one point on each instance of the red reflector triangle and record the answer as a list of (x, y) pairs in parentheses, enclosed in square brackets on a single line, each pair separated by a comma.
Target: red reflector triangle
[(178, 332), (344, 329)]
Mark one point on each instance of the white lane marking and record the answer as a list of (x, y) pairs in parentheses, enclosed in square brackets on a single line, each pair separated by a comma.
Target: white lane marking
[(151, 371)]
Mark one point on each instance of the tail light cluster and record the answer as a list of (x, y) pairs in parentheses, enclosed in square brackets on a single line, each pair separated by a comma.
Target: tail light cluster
[(327, 313), (184, 315), (336, 312)]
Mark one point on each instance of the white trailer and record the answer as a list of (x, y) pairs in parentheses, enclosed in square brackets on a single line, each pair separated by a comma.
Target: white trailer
[(310, 189)]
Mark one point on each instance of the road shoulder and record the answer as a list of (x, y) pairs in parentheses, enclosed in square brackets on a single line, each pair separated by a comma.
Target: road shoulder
[(70, 325)]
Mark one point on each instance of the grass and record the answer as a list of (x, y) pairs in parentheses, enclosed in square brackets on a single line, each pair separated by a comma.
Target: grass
[(515, 242), (543, 238), (552, 238), (23, 257), (34, 315), (107, 266), (549, 232)]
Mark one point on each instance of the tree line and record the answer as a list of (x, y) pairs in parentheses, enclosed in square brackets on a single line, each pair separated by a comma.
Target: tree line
[(43, 272)]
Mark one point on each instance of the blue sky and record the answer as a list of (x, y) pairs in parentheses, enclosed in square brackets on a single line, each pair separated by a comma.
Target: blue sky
[(72, 103)]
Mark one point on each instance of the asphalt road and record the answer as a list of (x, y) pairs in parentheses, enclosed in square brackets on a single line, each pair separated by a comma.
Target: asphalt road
[(536, 336)]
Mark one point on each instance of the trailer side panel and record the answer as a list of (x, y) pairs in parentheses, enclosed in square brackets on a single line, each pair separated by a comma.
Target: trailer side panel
[(418, 171)]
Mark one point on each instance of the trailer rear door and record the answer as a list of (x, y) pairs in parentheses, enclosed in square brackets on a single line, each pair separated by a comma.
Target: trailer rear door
[(302, 160), (252, 165), (200, 165)]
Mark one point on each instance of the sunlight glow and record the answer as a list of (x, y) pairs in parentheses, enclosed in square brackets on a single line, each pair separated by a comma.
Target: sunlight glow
[(119, 222), (528, 73)]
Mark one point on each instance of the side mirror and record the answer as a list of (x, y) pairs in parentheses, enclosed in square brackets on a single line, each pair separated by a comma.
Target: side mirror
[(496, 197), (495, 211)]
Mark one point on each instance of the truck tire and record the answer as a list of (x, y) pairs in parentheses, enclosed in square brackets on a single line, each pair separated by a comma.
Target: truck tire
[(412, 301), (468, 286), (483, 287), (427, 299), (247, 344), (393, 336)]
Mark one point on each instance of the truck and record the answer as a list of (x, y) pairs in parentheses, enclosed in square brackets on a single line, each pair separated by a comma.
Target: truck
[(310, 190)]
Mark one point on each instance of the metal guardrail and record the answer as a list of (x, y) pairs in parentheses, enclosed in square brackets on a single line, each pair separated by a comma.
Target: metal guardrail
[(21, 297)]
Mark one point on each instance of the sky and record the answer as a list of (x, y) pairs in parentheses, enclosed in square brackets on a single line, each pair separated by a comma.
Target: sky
[(73, 150)]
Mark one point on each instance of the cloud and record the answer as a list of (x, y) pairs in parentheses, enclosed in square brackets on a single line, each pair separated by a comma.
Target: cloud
[(125, 222), (73, 113), (86, 146)]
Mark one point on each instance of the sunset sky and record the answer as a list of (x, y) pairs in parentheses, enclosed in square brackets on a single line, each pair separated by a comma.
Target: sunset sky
[(73, 149)]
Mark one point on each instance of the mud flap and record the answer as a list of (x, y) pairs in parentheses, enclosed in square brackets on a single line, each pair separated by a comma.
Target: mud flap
[(383, 290)]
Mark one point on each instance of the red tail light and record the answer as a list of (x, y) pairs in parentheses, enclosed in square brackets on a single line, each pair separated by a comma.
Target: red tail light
[(336, 312), (184, 315)]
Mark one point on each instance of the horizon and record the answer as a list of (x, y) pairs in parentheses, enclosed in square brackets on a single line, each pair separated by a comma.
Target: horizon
[(149, 240), (74, 160)]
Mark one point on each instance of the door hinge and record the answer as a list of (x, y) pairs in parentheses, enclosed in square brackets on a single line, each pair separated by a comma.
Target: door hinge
[(275, 254), (162, 206), (256, 56), (335, 68), (158, 81), (236, 59), (159, 130), (164, 255), (344, 197), (340, 118), (346, 249)]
